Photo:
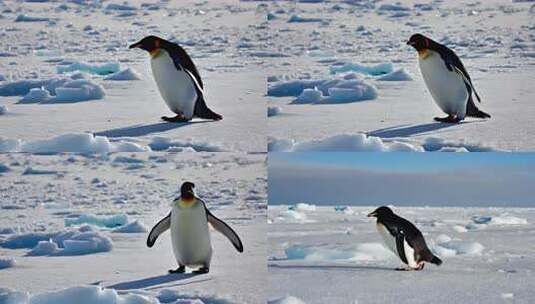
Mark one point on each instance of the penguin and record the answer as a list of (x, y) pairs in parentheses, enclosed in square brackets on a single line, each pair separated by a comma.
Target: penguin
[(190, 237), (177, 78), (446, 79), (404, 239)]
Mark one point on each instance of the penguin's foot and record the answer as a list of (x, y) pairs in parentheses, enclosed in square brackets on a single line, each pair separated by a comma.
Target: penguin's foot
[(449, 119), (201, 270), (178, 118), (180, 269), (419, 267)]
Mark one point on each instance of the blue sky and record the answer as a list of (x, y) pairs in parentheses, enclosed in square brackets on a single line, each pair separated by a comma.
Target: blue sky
[(411, 179)]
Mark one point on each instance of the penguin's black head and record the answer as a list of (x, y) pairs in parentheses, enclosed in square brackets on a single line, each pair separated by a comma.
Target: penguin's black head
[(381, 212), (186, 191), (149, 44), (419, 42)]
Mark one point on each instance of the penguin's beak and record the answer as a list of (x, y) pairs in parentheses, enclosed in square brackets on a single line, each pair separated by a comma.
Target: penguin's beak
[(372, 214), (135, 45), (411, 43)]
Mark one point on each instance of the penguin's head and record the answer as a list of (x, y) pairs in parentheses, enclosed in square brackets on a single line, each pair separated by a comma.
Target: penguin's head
[(186, 191), (419, 42), (381, 212), (150, 44)]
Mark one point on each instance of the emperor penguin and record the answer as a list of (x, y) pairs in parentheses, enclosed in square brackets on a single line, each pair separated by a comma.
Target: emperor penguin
[(404, 239), (177, 78), (190, 237), (446, 79)]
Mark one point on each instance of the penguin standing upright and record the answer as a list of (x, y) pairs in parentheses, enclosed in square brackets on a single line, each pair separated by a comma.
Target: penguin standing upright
[(447, 80), (188, 221), (177, 79), (404, 239)]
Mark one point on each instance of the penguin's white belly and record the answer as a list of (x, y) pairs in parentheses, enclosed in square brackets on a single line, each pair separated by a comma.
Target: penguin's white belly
[(175, 86), (190, 235), (388, 239), (446, 87), (409, 254)]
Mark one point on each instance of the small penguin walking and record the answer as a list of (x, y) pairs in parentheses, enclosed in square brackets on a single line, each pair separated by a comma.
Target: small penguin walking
[(404, 239), (447, 80), (190, 237), (177, 79)]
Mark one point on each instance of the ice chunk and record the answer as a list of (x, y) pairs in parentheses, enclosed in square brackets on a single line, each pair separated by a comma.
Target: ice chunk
[(6, 263), (132, 227), (305, 207), (503, 219), (286, 300), (89, 295), (291, 88), (310, 96), (120, 7), (374, 70), (9, 296), (293, 216), (22, 87), (44, 248), (78, 90), (273, 111), (110, 221), (78, 142), (36, 95), (159, 143), (398, 75), (3, 109), (299, 19), (32, 171), (458, 247), (25, 240), (26, 18), (4, 168), (365, 252), (100, 69), (126, 74), (342, 142)]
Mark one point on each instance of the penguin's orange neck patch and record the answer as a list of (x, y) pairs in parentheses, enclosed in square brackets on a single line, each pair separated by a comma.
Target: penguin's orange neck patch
[(155, 53), (424, 53)]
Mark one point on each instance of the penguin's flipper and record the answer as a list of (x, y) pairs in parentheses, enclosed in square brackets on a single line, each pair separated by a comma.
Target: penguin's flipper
[(158, 229), (400, 246), (225, 229), (182, 60), (459, 68), (201, 110)]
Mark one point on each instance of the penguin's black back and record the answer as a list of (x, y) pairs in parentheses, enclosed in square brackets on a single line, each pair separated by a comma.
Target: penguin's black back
[(401, 229)]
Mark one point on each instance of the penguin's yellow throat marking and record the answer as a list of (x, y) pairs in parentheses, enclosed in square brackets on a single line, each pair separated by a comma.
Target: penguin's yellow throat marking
[(155, 53), (186, 203), (424, 53)]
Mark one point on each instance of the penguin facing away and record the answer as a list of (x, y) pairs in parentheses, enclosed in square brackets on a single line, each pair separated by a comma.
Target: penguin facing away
[(177, 78), (404, 239), (446, 79), (190, 237)]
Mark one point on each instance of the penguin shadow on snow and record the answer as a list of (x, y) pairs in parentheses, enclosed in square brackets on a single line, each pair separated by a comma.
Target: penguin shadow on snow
[(142, 130), (333, 267), (410, 130), (160, 281)]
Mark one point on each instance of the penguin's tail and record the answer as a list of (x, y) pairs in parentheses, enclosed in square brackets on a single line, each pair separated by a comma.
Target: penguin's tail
[(473, 111), (202, 111), (435, 260)]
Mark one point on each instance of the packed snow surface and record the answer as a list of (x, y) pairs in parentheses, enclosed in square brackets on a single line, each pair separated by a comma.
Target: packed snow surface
[(493, 39), (66, 68), (81, 232), (336, 255)]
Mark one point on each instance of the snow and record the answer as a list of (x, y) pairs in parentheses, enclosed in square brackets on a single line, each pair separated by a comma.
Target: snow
[(286, 300), (492, 38), (99, 69), (132, 227), (339, 257), (109, 221), (397, 75), (113, 259), (81, 143), (94, 39), (7, 263), (341, 143), (126, 74)]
